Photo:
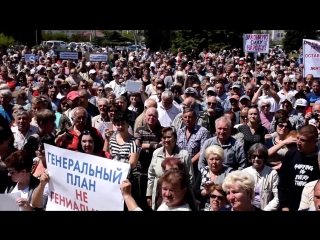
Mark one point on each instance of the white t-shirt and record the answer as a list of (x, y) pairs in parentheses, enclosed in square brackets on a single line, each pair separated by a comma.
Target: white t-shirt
[(164, 207), (24, 193)]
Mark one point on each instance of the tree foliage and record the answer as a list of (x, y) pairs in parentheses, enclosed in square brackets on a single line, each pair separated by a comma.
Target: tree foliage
[(215, 40), (113, 38), (293, 38), (55, 36), (6, 41), (79, 38), (158, 39)]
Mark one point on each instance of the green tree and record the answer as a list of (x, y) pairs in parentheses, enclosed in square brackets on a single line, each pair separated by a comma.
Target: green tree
[(56, 36), (114, 38), (215, 40), (129, 35), (6, 41), (293, 38), (158, 39), (97, 41), (79, 38)]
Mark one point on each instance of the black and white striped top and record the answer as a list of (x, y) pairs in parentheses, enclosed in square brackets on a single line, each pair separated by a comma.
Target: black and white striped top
[(122, 153)]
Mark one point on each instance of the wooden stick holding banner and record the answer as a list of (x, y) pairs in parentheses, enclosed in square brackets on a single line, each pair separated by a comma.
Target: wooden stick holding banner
[(83, 182)]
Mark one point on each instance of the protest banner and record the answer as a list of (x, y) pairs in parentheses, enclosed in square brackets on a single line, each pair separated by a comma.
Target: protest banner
[(30, 57), (311, 57), (69, 55), (8, 201), (256, 43), (83, 182), (96, 57)]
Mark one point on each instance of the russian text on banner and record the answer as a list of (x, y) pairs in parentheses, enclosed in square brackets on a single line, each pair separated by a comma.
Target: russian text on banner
[(311, 57), (256, 43), (83, 182)]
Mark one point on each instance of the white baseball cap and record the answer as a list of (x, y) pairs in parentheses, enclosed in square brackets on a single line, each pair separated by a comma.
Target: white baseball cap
[(301, 102), (92, 71)]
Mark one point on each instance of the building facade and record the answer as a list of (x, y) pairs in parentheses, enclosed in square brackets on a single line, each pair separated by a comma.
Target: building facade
[(275, 35)]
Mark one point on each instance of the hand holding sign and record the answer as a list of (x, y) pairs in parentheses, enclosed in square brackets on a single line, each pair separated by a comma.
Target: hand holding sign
[(125, 188)]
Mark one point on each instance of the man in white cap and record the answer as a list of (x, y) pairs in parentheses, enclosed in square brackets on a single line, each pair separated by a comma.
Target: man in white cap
[(301, 105)]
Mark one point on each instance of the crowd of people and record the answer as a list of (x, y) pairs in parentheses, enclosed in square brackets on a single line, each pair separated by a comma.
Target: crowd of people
[(219, 131)]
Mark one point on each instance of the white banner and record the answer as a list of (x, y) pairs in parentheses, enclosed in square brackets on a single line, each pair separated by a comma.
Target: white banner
[(98, 58), (83, 182), (29, 57), (256, 43), (8, 201), (311, 57), (68, 55)]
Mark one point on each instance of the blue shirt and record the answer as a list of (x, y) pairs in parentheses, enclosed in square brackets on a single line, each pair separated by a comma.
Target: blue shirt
[(5, 115), (312, 98)]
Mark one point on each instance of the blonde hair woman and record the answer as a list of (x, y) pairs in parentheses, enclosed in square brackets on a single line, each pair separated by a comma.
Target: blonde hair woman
[(239, 187), (214, 173)]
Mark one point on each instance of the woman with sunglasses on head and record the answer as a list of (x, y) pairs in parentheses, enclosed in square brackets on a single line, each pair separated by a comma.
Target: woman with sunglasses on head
[(277, 146), (266, 179), (90, 143)]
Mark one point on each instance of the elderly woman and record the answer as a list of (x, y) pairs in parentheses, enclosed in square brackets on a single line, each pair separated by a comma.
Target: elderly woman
[(215, 173), (151, 89), (266, 179), (265, 115), (218, 198), (169, 149), (239, 187), (174, 185), (277, 145), (19, 165), (253, 131)]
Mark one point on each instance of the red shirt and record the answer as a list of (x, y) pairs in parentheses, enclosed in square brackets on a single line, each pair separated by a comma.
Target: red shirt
[(74, 144), (10, 83)]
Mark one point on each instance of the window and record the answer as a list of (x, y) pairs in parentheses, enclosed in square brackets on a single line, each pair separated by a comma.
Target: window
[(281, 34), (278, 35)]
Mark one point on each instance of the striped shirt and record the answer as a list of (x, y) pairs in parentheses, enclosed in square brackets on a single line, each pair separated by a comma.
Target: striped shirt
[(122, 153), (195, 141)]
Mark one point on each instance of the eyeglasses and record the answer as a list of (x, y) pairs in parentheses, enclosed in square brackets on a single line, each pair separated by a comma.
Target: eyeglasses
[(286, 83), (216, 197), (263, 106), (52, 86), (280, 125), (100, 90), (256, 156), (244, 117), (211, 103)]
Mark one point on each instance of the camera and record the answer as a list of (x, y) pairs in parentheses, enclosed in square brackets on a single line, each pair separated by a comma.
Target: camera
[(315, 116)]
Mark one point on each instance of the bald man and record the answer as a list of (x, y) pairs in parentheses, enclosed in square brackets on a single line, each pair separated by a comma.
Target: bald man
[(140, 121)]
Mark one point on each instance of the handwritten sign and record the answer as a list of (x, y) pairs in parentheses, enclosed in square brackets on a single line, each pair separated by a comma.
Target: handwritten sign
[(256, 43), (68, 55), (30, 57), (311, 57), (83, 182), (8, 201)]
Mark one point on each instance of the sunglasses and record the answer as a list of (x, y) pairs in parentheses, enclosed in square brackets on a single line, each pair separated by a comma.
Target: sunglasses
[(211, 103), (286, 83), (52, 86), (256, 156), (216, 197), (280, 125), (244, 117), (85, 132)]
